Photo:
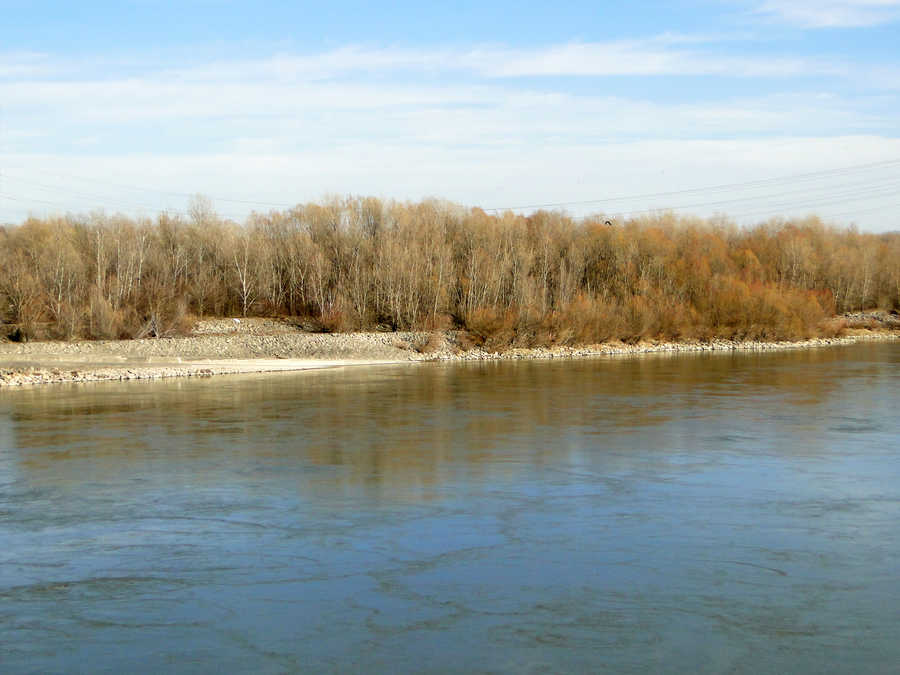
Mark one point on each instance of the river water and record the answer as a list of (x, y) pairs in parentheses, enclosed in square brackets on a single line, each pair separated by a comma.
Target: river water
[(689, 513)]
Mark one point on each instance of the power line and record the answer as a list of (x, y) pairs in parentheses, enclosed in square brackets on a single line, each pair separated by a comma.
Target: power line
[(165, 192), (30, 200), (871, 190), (736, 200), (847, 192), (857, 212), (813, 175), (817, 204), (847, 195), (799, 177), (67, 207), (105, 199)]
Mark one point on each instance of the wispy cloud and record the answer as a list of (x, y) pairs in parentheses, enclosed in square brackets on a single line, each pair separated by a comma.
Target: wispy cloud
[(832, 13), (666, 54), (135, 99), (15, 65), (486, 94), (483, 95), (489, 124), (483, 113)]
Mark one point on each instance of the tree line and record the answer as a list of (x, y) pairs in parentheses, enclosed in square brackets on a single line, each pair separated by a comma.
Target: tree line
[(364, 264)]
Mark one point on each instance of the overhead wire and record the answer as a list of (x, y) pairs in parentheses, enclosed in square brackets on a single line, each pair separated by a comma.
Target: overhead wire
[(810, 195), (775, 209), (66, 206), (812, 175), (857, 212), (846, 194), (172, 193), (105, 200), (891, 188), (78, 193)]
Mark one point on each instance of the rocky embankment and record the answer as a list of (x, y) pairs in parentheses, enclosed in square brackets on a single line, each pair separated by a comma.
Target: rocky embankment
[(215, 347), (267, 345)]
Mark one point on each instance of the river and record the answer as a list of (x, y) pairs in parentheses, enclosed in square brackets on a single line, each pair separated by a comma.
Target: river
[(688, 513)]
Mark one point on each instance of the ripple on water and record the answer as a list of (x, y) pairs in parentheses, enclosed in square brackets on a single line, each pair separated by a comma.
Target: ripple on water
[(856, 425), (559, 517)]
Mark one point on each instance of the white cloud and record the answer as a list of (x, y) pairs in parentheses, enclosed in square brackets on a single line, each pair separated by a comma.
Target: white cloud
[(318, 94), (25, 64), (832, 13), (666, 54), (477, 125), (313, 114), (636, 58), (135, 99)]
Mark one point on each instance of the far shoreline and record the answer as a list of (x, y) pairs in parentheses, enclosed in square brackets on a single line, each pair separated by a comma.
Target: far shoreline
[(260, 350)]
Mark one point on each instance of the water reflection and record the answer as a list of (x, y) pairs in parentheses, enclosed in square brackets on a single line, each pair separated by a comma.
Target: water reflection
[(580, 515), (403, 425)]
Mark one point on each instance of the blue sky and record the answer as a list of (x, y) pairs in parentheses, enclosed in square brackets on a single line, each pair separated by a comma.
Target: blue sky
[(609, 107)]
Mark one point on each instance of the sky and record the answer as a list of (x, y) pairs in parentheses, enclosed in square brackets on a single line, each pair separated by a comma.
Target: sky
[(754, 109)]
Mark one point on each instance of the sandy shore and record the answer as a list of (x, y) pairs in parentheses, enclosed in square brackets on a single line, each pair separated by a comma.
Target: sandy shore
[(264, 345), (13, 373)]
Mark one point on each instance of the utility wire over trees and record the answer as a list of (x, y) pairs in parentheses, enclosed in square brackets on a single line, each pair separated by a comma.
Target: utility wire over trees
[(807, 190), (862, 185)]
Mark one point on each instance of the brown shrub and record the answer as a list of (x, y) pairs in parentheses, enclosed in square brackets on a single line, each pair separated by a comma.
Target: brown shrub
[(494, 329), (104, 322), (434, 342)]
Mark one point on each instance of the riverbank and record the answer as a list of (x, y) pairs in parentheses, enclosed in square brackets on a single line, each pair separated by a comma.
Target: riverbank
[(230, 346)]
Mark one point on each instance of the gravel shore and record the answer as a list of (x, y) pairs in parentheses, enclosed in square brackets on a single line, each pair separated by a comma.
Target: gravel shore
[(268, 345)]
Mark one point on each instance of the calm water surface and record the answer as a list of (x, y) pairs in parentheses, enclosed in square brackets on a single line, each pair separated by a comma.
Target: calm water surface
[(716, 513)]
